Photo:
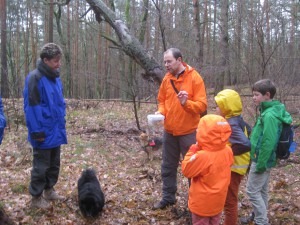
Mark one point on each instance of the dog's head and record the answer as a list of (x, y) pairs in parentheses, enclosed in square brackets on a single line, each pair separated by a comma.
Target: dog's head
[(144, 139)]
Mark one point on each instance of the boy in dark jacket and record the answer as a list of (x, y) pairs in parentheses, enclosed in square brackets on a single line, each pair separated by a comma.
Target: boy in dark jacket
[(264, 139), (45, 110)]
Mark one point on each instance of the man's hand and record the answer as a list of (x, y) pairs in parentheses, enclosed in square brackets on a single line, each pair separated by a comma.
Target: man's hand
[(40, 139), (38, 136), (182, 96)]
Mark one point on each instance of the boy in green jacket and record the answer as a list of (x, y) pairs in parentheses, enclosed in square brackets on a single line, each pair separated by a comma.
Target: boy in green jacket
[(264, 139)]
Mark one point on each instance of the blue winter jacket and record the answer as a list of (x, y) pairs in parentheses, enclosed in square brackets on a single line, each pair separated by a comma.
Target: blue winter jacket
[(2, 121), (44, 108)]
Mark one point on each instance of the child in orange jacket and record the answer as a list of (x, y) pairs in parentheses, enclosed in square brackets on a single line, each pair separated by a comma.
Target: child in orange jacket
[(208, 163)]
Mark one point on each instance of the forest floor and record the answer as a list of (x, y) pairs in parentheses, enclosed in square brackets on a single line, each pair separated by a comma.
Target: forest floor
[(104, 136)]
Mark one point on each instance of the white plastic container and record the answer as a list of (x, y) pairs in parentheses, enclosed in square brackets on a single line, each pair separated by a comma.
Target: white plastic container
[(156, 120)]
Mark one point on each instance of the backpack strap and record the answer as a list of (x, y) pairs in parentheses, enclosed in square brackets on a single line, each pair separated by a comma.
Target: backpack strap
[(176, 91), (173, 85)]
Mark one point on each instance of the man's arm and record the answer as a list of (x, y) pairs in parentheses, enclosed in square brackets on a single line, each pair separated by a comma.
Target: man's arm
[(198, 104), (33, 110)]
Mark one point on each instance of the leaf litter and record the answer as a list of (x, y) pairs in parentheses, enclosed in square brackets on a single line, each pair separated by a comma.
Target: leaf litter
[(103, 135)]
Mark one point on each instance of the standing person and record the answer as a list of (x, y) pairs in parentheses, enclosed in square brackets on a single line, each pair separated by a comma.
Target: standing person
[(229, 105), (182, 98), (264, 138), (208, 163), (45, 111), (2, 121)]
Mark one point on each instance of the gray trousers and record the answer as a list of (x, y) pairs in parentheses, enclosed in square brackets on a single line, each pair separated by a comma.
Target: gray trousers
[(173, 146), (45, 170), (258, 192)]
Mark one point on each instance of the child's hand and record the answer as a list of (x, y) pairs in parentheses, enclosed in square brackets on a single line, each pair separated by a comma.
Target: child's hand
[(194, 148)]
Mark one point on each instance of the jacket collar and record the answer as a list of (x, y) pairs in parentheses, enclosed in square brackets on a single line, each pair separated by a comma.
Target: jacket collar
[(265, 105), (46, 70)]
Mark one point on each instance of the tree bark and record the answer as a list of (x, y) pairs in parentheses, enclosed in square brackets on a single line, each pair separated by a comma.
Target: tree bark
[(64, 43), (4, 73), (50, 22), (197, 26), (224, 46), (144, 21), (129, 44), (161, 25)]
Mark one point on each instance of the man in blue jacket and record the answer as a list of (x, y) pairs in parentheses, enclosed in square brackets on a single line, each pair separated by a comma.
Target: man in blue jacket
[(45, 110)]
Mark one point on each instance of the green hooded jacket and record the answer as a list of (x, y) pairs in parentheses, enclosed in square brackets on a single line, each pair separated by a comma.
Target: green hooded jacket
[(266, 133)]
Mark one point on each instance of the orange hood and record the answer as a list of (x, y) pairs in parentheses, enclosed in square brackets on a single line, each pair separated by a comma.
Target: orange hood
[(213, 132), (208, 165)]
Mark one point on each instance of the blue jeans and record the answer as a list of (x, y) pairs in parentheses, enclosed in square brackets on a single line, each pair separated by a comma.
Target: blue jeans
[(257, 190)]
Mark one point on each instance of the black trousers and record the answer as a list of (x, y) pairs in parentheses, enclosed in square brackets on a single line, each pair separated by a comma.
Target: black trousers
[(45, 170), (173, 147)]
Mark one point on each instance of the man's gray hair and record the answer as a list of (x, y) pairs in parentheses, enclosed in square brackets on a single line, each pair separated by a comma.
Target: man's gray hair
[(50, 51)]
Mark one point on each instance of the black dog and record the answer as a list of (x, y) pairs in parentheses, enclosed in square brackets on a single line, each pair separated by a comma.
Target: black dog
[(90, 196), (4, 219)]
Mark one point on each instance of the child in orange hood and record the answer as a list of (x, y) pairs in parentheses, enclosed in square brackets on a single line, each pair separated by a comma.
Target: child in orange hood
[(208, 163)]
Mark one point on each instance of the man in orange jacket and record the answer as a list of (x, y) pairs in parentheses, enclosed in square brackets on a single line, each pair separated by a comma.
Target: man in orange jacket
[(182, 99)]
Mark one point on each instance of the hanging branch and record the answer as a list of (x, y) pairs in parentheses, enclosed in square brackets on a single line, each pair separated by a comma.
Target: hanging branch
[(129, 44)]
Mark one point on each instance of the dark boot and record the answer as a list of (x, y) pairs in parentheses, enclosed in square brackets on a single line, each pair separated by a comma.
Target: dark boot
[(161, 205), (50, 194), (247, 220), (40, 202)]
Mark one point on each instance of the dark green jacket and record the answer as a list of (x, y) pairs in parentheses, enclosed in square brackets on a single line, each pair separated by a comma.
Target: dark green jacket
[(266, 132)]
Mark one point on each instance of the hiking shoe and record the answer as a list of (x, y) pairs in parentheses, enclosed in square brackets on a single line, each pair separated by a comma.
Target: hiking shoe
[(39, 202), (50, 194), (248, 219), (161, 205)]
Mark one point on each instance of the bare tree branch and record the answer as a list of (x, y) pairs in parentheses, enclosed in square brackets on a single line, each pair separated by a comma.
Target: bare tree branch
[(129, 44)]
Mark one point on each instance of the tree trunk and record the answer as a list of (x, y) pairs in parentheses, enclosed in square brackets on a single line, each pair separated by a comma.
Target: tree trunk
[(214, 32), (198, 31), (129, 44), (64, 43), (161, 24), (76, 89), (144, 21), (250, 45), (238, 59), (224, 46), (99, 63), (204, 31), (4, 73), (50, 26)]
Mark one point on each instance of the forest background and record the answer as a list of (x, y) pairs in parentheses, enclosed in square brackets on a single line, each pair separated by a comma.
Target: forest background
[(111, 70), (113, 49)]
